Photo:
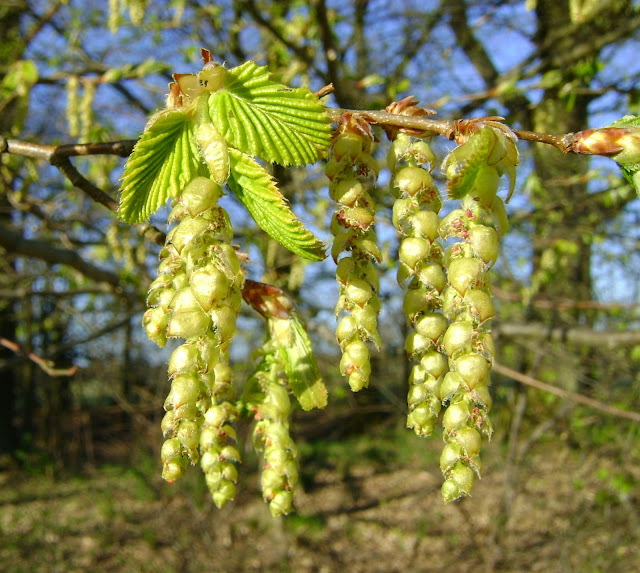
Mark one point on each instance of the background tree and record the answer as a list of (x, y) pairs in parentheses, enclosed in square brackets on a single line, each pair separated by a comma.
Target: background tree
[(74, 278)]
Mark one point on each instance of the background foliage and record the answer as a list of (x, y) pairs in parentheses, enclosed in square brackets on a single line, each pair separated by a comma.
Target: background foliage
[(73, 278)]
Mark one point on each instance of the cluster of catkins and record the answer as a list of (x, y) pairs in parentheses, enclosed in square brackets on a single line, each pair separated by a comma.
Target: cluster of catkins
[(448, 298), (420, 254), (352, 170), (271, 436), (197, 296)]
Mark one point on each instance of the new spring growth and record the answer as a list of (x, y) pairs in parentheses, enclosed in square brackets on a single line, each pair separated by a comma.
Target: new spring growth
[(197, 296), (352, 171), (420, 254), (473, 170)]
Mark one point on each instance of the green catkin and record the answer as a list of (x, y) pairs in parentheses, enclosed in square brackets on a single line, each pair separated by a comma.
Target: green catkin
[(415, 216), (267, 393), (475, 229), (73, 86), (85, 109), (351, 168), (197, 296)]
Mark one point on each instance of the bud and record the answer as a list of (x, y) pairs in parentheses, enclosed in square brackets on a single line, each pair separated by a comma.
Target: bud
[(199, 195), (412, 180), (473, 368), (465, 273), (209, 286), (484, 243), (413, 250), (479, 304), (155, 322), (455, 416), (281, 504), (457, 337), (346, 191)]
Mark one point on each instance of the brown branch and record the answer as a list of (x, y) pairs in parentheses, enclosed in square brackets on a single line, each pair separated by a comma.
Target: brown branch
[(534, 383), (43, 363), (578, 335), (58, 156), (16, 243)]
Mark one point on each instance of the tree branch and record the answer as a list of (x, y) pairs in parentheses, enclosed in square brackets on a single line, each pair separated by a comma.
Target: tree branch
[(43, 250), (580, 336), (529, 381), (43, 363)]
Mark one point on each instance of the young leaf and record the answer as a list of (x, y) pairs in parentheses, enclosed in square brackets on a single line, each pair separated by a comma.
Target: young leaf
[(299, 362), (269, 120), (164, 160), (257, 191)]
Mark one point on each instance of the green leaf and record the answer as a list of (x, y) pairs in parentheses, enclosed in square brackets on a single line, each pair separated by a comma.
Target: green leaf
[(299, 362), (486, 147), (627, 121), (257, 191), (164, 160), (270, 120)]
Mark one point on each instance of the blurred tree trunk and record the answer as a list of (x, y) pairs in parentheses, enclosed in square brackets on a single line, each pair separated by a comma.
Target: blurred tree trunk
[(11, 50)]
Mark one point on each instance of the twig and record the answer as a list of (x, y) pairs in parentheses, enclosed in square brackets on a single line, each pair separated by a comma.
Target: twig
[(43, 363), (529, 381)]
